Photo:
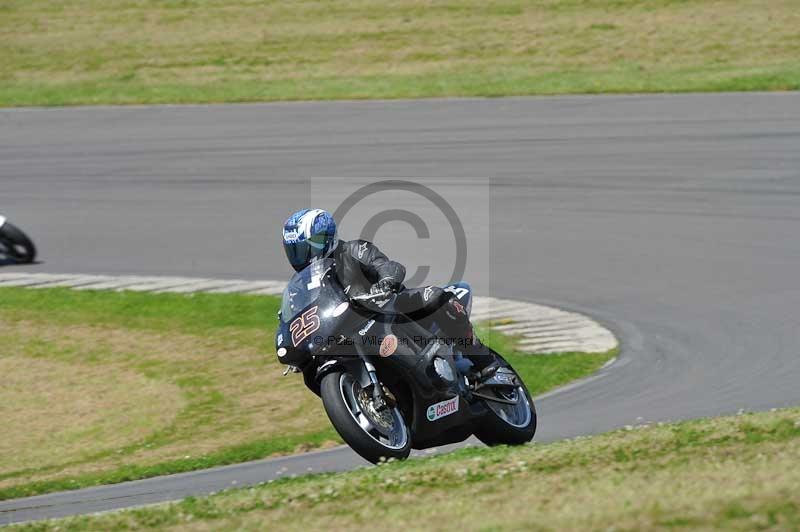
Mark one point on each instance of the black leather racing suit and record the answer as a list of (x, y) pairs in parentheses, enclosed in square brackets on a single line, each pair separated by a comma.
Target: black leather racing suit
[(360, 265)]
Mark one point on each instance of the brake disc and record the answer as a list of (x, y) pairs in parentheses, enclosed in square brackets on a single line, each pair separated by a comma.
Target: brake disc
[(381, 417)]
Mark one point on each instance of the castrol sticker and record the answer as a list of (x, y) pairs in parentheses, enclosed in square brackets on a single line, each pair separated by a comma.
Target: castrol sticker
[(388, 346), (445, 408)]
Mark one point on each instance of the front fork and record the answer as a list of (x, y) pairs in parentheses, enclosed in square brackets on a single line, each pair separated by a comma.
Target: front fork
[(378, 395), (366, 368)]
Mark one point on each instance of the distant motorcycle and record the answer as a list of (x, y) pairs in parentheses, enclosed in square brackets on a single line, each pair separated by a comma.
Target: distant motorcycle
[(388, 384), (14, 244)]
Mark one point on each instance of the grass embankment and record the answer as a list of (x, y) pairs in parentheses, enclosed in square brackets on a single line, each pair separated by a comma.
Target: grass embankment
[(103, 387), (731, 473), (148, 51)]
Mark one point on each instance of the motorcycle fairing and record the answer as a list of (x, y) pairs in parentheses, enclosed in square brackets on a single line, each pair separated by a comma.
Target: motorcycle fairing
[(413, 365)]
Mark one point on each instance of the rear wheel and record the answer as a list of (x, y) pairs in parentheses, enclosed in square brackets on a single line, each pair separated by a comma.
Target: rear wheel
[(512, 419), (372, 433), (15, 244)]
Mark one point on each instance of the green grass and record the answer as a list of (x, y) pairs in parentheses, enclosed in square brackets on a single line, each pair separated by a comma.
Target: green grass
[(103, 387), (148, 51), (195, 384), (728, 473), (191, 314)]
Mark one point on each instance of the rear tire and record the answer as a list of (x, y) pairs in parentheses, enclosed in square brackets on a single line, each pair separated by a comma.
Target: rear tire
[(344, 408), (495, 430), (16, 245)]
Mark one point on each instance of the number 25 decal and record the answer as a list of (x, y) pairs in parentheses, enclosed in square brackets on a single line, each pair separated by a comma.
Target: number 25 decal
[(302, 326)]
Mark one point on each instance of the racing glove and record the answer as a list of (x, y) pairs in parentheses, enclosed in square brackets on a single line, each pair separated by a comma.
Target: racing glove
[(383, 286)]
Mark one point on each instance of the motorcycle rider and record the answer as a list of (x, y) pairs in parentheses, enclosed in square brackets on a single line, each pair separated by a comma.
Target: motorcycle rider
[(310, 234)]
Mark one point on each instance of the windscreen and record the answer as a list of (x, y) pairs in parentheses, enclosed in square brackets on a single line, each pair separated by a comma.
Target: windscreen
[(303, 288)]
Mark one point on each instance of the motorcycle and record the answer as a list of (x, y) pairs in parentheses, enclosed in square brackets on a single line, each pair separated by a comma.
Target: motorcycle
[(15, 246), (387, 383)]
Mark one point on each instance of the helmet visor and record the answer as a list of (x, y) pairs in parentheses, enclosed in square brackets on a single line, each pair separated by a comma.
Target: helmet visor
[(299, 254), (302, 253)]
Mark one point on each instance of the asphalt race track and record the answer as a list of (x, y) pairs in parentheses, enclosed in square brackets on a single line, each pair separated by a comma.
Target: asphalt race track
[(673, 220)]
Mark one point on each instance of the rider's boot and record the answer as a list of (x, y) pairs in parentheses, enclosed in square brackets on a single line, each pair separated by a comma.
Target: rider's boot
[(459, 328), (484, 363)]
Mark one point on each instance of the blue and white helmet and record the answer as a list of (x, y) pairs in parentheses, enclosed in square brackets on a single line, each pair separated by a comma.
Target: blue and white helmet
[(308, 235)]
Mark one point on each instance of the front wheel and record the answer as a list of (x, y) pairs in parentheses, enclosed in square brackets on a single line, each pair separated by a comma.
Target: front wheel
[(15, 244), (512, 421), (374, 434)]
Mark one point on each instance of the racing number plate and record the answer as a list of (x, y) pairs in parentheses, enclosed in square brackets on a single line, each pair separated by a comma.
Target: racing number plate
[(304, 325)]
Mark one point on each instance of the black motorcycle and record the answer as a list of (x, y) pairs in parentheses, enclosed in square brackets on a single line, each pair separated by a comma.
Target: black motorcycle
[(15, 246), (387, 383)]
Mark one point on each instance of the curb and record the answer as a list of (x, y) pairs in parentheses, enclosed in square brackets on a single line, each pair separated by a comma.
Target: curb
[(541, 329)]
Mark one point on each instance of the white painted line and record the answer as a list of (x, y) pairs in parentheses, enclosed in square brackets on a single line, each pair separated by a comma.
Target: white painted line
[(211, 286), (545, 341), (233, 287), (609, 363), (562, 317), (125, 283), (74, 282), (555, 347), (249, 287), (499, 308), (523, 330), (187, 285), (517, 326), (202, 285), (160, 285), (268, 291), (116, 284), (532, 312), (545, 337), (557, 328), (33, 279), (11, 276)]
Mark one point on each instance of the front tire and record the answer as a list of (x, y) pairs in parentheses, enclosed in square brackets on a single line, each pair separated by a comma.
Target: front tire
[(16, 245), (374, 435), (509, 424)]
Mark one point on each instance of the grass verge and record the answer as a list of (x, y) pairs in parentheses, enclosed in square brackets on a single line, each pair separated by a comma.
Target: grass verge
[(182, 51), (103, 387), (729, 473)]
